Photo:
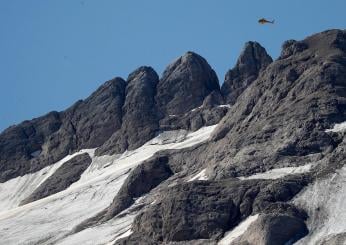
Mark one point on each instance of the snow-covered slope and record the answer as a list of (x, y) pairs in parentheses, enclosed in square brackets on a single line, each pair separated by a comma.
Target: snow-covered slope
[(15, 190), (279, 172), (325, 202), (339, 127), (52, 218), (238, 230)]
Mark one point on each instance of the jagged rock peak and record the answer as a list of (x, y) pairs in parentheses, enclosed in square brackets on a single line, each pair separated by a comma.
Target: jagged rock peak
[(107, 88), (86, 124), (139, 121), (112, 82), (325, 43), (254, 56), (142, 71), (252, 59), (185, 84)]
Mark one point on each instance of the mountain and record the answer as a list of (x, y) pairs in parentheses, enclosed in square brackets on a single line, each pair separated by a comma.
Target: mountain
[(177, 159)]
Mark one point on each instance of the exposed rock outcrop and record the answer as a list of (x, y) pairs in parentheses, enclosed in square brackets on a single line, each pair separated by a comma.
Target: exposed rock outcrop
[(32, 145), (277, 120), (143, 179), (62, 178), (251, 61), (205, 210), (140, 116), (185, 84), (273, 230)]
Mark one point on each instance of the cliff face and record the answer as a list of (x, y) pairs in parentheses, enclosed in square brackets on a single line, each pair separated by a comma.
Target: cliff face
[(251, 61), (35, 144), (180, 160)]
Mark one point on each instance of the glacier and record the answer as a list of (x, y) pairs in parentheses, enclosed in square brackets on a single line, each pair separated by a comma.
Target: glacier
[(51, 219)]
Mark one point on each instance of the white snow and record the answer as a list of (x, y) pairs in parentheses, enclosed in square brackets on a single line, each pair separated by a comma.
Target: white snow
[(197, 108), (168, 137), (238, 230), (126, 234), (106, 233), (325, 202), (277, 173), (226, 106), (339, 127), (200, 176), (49, 220), (12, 192)]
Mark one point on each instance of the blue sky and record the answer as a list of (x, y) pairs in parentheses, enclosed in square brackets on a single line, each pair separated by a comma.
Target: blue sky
[(53, 53)]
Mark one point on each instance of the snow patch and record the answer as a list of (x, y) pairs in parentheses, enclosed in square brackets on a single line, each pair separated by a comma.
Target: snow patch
[(50, 220), (226, 106), (126, 234), (200, 176), (238, 230), (197, 108), (13, 191), (279, 172), (325, 202), (106, 233), (168, 137), (339, 127)]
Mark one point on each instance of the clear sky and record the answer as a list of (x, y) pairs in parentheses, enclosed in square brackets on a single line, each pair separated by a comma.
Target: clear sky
[(54, 52)]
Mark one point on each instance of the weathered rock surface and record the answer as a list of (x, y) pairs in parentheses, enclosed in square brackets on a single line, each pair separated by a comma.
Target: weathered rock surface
[(279, 120), (251, 61), (32, 145), (185, 84), (142, 180), (140, 115), (195, 119), (62, 178), (273, 230), (205, 210)]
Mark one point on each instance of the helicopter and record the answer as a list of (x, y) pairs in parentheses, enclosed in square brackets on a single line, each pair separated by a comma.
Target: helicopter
[(264, 21)]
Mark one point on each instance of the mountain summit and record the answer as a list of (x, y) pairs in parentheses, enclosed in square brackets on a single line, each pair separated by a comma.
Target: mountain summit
[(251, 61)]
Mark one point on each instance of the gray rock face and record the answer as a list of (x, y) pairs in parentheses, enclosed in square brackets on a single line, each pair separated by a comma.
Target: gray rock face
[(99, 115), (185, 84), (251, 61), (205, 210), (18, 143), (292, 47), (143, 179), (273, 230), (32, 145), (62, 178), (278, 120), (140, 117), (194, 120)]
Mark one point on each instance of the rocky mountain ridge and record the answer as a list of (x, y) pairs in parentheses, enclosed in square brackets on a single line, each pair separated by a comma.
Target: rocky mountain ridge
[(248, 183)]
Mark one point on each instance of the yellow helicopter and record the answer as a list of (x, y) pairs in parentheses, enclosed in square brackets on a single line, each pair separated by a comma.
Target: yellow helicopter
[(264, 21)]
